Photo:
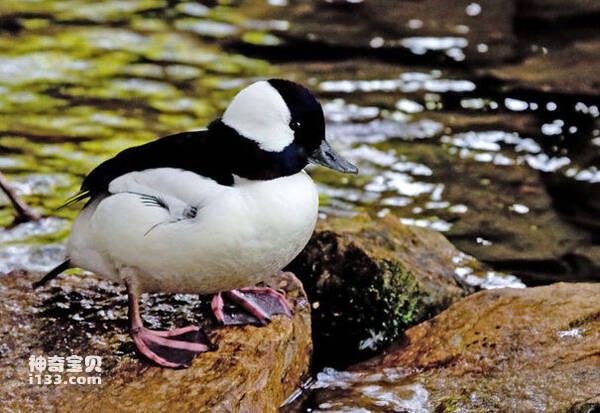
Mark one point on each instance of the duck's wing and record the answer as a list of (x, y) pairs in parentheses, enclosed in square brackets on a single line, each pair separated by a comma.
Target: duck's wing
[(188, 151), (182, 193), (139, 218)]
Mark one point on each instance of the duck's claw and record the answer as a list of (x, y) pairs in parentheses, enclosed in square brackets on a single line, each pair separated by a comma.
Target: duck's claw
[(249, 306), (175, 348)]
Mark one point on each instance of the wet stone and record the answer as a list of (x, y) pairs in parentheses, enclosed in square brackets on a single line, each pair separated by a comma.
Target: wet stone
[(253, 368), (517, 350)]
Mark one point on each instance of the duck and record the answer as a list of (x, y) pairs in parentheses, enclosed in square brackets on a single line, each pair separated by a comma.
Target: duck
[(213, 211)]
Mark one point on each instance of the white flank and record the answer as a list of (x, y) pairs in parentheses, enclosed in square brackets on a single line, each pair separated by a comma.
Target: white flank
[(239, 235)]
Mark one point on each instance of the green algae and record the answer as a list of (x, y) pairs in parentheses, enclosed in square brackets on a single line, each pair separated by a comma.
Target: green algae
[(402, 296), (363, 296), (83, 80)]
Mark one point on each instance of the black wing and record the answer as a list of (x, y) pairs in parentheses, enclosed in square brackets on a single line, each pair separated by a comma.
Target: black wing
[(192, 151)]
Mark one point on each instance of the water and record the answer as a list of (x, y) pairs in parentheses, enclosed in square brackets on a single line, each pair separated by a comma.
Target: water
[(499, 170), (371, 393)]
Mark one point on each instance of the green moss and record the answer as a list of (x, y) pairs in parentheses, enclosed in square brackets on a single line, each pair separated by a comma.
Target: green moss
[(358, 299), (401, 296), (448, 404)]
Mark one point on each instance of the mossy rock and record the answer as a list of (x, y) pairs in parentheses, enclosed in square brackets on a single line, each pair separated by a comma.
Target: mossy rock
[(368, 280)]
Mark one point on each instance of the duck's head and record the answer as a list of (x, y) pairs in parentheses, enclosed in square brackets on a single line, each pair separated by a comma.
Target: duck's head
[(276, 127)]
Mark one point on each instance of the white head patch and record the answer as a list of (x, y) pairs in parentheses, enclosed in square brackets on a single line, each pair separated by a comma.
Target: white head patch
[(259, 113)]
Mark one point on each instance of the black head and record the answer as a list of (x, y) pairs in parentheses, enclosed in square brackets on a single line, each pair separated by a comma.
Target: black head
[(278, 128)]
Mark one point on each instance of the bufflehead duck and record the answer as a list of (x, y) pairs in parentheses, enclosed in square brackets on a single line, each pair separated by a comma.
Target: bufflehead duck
[(214, 211)]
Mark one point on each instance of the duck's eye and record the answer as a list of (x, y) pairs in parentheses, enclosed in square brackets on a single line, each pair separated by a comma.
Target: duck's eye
[(295, 125)]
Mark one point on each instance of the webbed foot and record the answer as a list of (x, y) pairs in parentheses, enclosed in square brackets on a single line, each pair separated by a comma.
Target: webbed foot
[(249, 306), (175, 348)]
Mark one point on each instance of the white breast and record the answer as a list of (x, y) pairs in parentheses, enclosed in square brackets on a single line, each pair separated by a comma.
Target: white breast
[(240, 235)]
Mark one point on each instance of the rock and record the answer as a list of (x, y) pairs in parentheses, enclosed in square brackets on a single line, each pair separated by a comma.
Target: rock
[(254, 369), (517, 350), (368, 280)]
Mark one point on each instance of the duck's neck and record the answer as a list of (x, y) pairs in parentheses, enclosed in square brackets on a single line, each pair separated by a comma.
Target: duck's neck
[(247, 160)]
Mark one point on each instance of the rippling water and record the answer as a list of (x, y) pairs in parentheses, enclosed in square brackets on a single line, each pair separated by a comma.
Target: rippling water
[(435, 143)]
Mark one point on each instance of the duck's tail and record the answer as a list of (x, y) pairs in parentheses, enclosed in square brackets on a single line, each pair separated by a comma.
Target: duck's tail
[(65, 265)]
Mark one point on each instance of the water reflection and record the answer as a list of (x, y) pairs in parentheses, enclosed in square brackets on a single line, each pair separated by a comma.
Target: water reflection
[(32, 245), (452, 46), (435, 146), (358, 392), (407, 82)]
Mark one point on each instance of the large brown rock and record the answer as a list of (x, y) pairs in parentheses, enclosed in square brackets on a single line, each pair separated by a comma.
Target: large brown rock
[(253, 370), (510, 350), (369, 279)]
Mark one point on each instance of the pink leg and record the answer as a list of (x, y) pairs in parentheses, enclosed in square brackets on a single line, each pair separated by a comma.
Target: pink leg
[(217, 307), (175, 332), (259, 304), (176, 348)]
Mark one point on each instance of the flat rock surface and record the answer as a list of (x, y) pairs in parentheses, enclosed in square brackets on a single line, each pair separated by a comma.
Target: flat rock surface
[(253, 370), (517, 350)]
